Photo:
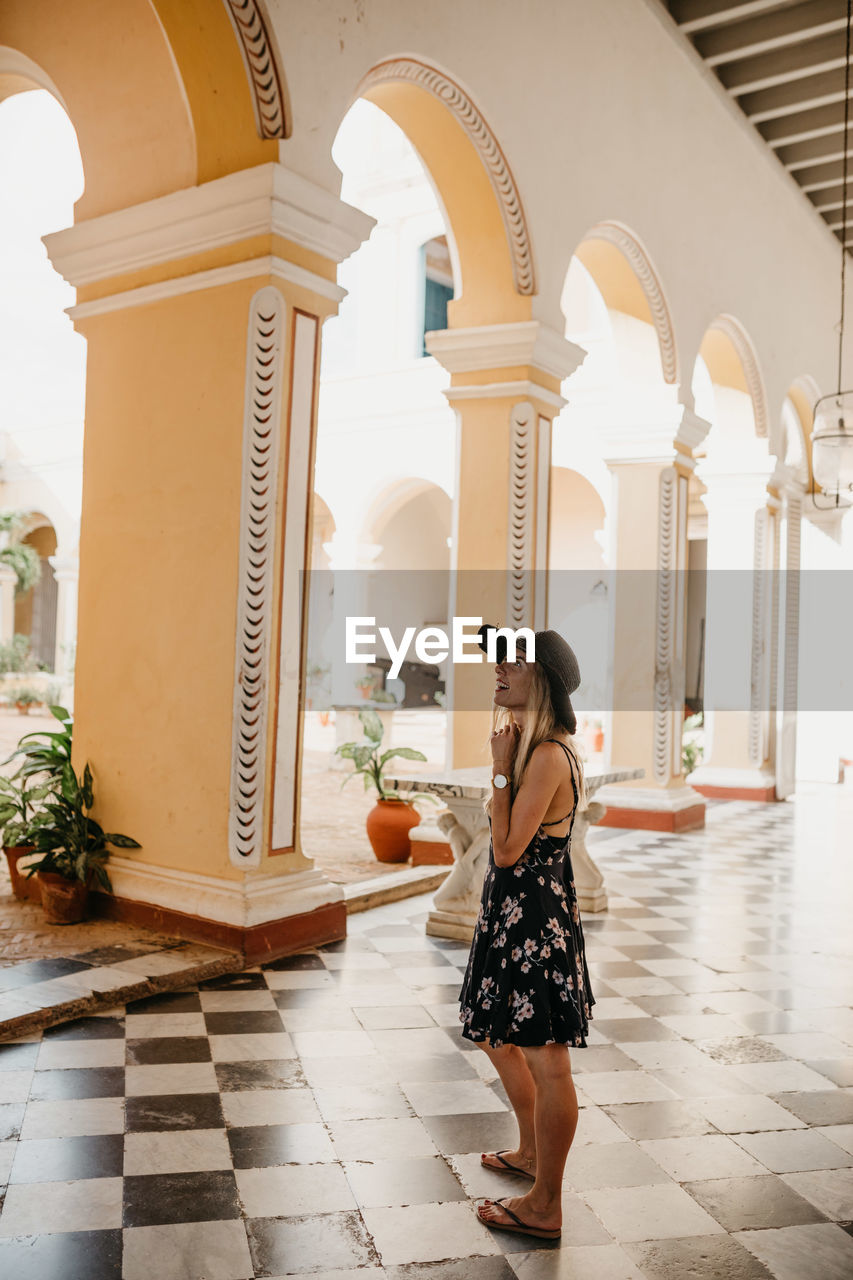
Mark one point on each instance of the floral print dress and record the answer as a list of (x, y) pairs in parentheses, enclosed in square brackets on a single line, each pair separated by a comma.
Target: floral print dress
[(527, 981)]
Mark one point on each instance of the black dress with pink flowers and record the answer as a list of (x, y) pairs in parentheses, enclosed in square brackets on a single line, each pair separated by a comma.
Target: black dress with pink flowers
[(527, 981)]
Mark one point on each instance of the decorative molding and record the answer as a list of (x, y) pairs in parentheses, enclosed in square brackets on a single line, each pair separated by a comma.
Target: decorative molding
[(505, 346), (266, 199), (294, 552), (497, 390), (457, 101), (262, 62), (793, 534), (635, 252), (543, 522), (254, 610), (758, 666), (665, 624), (197, 280), (243, 903), (742, 344), (522, 488)]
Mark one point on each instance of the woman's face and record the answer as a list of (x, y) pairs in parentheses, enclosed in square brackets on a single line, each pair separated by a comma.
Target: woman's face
[(512, 683)]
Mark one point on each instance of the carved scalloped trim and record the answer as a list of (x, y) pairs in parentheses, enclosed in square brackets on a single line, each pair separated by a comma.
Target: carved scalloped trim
[(257, 538), (641, 264), (522, 480), (259, 55), (457, 101), (667, 589), (742, 344), (757, 719)]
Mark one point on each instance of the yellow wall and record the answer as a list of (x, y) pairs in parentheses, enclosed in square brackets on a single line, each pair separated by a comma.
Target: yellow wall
[(474, 219), (159, 552), (156, 90)]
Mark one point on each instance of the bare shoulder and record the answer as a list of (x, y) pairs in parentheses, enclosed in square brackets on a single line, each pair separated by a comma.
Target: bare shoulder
[(547, 757)]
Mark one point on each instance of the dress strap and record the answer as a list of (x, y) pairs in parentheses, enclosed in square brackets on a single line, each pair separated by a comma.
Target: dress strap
[(557, 821)]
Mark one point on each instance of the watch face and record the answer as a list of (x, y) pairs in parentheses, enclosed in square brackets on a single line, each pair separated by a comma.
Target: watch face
[(500, 781)]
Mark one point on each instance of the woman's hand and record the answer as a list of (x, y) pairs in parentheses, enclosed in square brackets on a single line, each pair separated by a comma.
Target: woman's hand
[(504, 744)]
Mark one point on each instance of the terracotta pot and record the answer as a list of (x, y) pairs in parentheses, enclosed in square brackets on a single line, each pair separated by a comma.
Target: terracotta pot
[(388, 826), (64, 901), (23, 887)]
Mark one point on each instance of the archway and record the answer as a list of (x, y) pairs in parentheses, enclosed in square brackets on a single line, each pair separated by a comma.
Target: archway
[(42, 370), (733, 549), (627, 430)]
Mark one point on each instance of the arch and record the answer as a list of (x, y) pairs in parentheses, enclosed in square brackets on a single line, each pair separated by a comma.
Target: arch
[(219, 103), (576, 515), (391, 499), (730, 356), (629, 282), (803, 394), (474, 182)]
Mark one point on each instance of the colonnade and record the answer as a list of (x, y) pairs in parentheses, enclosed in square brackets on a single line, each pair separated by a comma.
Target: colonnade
[(204, 268)]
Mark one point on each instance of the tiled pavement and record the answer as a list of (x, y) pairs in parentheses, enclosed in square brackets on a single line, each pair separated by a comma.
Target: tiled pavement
[(323, 1115)]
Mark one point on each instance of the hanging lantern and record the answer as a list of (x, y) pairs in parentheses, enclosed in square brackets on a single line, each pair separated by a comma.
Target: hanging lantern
[(832, 443), (832, 431)]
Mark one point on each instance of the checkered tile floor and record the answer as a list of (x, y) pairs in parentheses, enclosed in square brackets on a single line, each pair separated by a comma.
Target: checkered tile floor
[(324, 1116)]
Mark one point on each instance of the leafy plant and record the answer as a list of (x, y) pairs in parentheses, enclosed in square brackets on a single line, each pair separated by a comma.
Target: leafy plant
[(21, 808), (692, 749), (24, 560), (25, 696), (16, 656), (368, 761), (26, 563), (45, 752), (71, 842)]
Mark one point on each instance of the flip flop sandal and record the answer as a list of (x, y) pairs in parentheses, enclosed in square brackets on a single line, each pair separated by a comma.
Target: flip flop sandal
[(510, 1168), (521, 1228)]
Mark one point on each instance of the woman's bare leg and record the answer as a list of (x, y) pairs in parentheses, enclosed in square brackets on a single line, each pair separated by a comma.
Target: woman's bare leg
[(556, 1118), (511, 1066)]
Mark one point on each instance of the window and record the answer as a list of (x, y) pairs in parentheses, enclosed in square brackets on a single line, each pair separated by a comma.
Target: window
[(438, 286)]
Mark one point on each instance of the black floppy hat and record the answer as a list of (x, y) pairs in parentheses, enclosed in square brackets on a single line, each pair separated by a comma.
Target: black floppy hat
[(559, 663)]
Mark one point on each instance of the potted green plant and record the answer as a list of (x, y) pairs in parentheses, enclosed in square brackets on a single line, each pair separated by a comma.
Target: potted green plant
[(21, 808), (44, 752), (692, 745), (25, 698), (73, 847), (366, 685), (393, 815)]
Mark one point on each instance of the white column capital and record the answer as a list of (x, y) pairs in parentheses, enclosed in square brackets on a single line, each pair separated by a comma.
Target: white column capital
[(266, 199), (346, 553), (649, 428), (65, 568), (526, 343)]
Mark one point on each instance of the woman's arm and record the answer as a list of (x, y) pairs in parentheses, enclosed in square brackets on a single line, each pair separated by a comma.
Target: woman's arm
[(514, 823)]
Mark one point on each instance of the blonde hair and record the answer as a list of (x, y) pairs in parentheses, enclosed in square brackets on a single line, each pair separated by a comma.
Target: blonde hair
[(540, 724)]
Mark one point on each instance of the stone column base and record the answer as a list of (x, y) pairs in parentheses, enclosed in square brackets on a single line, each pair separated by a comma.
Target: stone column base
[(651, 809), (734, 784), (261, 917)]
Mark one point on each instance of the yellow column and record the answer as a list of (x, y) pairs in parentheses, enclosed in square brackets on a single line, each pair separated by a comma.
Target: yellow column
[(198, 458), (505, 387), (648, 556)]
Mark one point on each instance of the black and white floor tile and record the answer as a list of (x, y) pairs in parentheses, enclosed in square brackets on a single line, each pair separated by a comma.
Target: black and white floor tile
[(323, 1116)]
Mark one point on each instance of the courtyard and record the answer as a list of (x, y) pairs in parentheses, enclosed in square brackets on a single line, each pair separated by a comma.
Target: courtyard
[(322, 1115)]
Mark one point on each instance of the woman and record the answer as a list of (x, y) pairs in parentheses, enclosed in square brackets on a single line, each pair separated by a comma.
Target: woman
[(526, 994)]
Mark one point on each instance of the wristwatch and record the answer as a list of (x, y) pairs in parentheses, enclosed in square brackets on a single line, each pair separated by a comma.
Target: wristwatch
[(500, 780)]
